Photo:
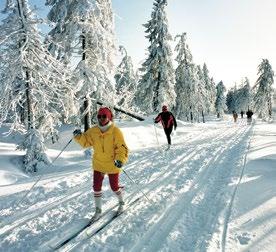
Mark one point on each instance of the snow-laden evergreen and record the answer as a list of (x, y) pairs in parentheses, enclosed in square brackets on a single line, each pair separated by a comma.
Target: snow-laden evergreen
[(156, 86), (231, 100), (33, 83), (220, 103), (126, 80), (210, 88), (85, 28), (244, 98), (264, 91), (186, 81)]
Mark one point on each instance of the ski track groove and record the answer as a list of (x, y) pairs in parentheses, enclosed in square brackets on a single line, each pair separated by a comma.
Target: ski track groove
[(156, 182), (23, 218), (78, 240), (186, 156), (189, 151), (155, 236), (229, 210), (164, 181), (220, 180), (42, 183)]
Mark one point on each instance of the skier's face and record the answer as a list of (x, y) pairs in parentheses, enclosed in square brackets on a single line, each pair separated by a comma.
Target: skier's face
[(103, 119)]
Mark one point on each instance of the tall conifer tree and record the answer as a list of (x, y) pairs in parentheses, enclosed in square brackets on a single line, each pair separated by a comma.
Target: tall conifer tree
[(156, 86), (263, 96), (210, 90), (186, 81), (88, 26), (126, 82), (33, 82), (220, 103)]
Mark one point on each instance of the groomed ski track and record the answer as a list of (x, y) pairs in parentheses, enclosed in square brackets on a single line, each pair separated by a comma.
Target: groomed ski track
[(191, 188)]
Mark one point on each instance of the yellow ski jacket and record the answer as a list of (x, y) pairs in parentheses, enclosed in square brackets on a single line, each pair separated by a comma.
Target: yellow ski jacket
[(108, 146)]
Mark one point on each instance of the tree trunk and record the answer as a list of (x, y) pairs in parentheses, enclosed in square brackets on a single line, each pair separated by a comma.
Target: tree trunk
[(83, 42), (191, 114), (125, 112), (87, 117), (270, 108), (203, 119), (29, 105), (86, 103), (156, 94)]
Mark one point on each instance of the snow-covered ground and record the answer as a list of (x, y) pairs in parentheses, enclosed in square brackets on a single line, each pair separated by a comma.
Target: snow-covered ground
[(213, 191)]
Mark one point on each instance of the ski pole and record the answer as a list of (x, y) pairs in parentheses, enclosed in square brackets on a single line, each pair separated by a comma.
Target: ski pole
[(136, 185), (156, 135), (62, 150), (39, 178)]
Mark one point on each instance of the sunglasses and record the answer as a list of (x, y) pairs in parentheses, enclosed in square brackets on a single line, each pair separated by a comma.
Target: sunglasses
[(101, 116)]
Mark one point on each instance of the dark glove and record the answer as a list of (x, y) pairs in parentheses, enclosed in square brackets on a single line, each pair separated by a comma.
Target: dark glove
[(77, 132), (174, 127), (118, 163)]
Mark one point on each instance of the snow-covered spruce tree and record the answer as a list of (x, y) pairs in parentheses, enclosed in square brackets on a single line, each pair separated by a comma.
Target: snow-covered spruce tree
[(33, 85), (88, 27), (263, 96), (126, 82), (220, 103), (156, 86), (210, 90), (243, 102), (186, 81), (239, 99), (231, 100)]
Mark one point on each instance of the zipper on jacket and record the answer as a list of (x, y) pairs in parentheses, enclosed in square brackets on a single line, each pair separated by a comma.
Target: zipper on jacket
[(102, 142)]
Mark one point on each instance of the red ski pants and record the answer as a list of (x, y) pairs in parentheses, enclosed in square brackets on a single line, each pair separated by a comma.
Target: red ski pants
[(98, 181)]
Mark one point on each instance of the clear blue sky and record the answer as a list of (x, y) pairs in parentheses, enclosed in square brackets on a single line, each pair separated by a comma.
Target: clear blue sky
[(231, 36)]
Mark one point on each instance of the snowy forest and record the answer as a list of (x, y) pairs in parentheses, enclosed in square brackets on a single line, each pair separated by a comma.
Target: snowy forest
[(57, 78), (206, 183)]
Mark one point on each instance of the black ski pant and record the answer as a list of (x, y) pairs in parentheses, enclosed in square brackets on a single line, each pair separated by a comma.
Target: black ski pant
[(168, 132)]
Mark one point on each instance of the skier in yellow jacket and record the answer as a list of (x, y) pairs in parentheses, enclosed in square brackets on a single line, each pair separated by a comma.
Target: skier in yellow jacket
[(110, 153)]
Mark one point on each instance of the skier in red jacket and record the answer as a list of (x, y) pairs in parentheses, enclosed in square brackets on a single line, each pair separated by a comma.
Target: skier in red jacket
[(168, 122)]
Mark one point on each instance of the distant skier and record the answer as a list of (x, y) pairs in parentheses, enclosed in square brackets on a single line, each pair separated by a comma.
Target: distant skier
[(242, 113), (249, 115), (168, 122), (235, 116), (110, 153)]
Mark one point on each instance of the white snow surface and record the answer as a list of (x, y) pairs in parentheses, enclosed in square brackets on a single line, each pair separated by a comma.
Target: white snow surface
[(214, 190)]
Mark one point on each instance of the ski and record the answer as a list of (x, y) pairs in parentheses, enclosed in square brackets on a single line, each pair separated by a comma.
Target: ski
[(91, 233), (94, 230), (62, 243), (59, 244)]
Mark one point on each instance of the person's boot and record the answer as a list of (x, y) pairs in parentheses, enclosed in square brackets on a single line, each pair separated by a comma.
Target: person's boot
[(98, 206), (119, 195)]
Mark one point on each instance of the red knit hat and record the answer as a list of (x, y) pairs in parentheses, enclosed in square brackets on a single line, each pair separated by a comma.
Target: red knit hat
[(164, 108), (106, 111)]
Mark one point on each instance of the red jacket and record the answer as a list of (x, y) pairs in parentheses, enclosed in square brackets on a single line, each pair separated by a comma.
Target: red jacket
[(167, 119)]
